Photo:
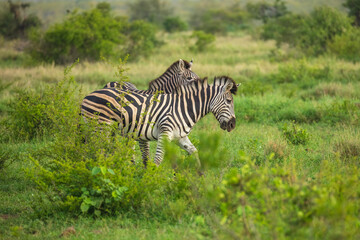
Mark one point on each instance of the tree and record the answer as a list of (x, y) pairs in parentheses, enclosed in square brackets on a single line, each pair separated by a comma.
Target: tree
[(154, 11), (265, 11), (354, 10), (14, 22), (174, 24)]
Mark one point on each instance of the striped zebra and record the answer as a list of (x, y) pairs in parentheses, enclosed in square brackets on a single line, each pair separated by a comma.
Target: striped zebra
[(150, 117), (179, 73)]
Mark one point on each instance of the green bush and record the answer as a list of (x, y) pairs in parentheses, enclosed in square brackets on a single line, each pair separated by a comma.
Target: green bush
[(141, 39), (272, 203), (14, 22), (33, 113), (265, 11), (174, 24), (346, 45), (203, 41), (220, 20), (295, 134), (153, 11), (93, 34), (311, 34), (87, 35)]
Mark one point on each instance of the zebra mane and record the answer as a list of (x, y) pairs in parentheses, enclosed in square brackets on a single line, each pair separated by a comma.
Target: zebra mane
[(235, 86), (217, 80), (174, 66)]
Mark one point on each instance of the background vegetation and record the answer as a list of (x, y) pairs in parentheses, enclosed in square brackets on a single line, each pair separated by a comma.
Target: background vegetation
[(289, 170)]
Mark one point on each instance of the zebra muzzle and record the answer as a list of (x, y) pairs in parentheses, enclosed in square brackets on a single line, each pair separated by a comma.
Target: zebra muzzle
[(229, 125)]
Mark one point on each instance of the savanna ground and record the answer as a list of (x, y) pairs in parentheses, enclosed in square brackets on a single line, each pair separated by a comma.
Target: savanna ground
[(320, 97)]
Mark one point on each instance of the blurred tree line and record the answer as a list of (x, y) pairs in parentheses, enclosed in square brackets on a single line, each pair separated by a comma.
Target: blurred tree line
[(99, 32)]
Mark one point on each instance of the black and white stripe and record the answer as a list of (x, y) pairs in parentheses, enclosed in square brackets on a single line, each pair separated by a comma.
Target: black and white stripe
[(149, 117), (179, 73)]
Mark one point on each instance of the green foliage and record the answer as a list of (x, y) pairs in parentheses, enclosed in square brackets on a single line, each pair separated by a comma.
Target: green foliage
[(354, 10), (87, 35), (285, 29), (92, 34), (221, 20), (311, 34), (271, 202), (346, 45), (174, 24), (302, 73), (203, 41), (38, 114), (141, 39), (265, 11), (154, 11), (14, 22), (295, 134)]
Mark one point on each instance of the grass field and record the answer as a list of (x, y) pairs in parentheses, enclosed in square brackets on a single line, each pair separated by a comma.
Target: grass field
[(321, 96)]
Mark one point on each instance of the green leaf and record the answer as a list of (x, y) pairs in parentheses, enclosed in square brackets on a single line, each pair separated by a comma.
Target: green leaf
[(239, 210), (95, 171), (103, 170), (97, 213), (111, 171), (84, 207)]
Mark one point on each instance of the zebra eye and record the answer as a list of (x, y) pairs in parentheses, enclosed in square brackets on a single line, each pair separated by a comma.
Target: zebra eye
[(228, 100), (189, 78)]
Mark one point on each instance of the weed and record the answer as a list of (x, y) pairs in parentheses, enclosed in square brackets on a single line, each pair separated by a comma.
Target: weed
[(295, 134)]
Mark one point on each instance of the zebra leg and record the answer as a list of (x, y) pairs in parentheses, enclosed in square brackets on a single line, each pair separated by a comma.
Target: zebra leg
[(145, 151), (186, 144), (160, 148)]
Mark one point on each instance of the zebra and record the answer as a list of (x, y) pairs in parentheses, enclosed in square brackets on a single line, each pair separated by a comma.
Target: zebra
[(160, 117), (179, 73)]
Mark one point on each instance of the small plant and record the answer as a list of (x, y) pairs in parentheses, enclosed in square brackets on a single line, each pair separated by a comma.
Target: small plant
[(203, 41), (295, 134), (278, 148)]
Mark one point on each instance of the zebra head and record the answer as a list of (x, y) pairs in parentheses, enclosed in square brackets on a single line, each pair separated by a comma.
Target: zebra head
[(222, 105), (184, 73)]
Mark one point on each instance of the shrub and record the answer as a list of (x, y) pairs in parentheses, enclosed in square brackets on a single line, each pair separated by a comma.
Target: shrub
[(272, 202), (174, 24), (89, 35), (33, 113), (295, 134), (203, 41), (346, 45), (92, 34), (311, 34), (141, 39), (220, 20), (154, 11), (265, 11)]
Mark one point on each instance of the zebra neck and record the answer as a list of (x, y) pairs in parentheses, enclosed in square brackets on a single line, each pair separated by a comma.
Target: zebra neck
[(166, 82), (202, 97)]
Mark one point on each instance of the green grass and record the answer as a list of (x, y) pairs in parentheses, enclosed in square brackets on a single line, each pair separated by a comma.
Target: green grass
[(321, 95)]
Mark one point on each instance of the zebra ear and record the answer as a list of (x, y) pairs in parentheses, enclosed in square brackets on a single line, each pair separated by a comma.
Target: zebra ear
[(229, 85), (191, 63), (181, 65)]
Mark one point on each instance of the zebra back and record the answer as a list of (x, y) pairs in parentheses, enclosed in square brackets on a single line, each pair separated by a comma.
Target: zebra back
[(179, 73)]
